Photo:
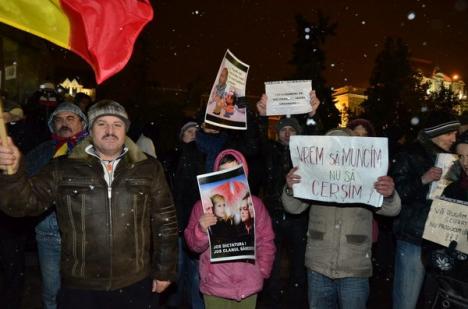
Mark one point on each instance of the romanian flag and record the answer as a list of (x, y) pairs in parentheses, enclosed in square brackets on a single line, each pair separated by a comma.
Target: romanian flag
[(101, 31)]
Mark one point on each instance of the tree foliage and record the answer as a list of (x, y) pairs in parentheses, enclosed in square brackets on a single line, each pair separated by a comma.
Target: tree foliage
[(309, 60)]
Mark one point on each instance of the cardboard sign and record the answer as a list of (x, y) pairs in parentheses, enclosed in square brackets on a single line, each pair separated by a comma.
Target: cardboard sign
[(223, 108), (339, 169), (445, 161), (288, 97), (226, 194), (447, 221)]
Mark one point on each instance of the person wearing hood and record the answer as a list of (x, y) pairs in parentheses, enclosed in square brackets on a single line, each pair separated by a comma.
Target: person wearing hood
[(68, 125), (413, 171), (231, 284)]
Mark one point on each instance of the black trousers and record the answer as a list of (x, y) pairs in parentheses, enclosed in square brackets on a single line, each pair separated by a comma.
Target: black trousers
[(12, 268), (137, 295)]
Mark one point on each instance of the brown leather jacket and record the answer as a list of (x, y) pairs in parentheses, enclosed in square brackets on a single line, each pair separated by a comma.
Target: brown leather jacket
[(108, 233)]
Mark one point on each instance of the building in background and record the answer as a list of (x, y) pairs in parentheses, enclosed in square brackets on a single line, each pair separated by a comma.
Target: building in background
[(348, 101)]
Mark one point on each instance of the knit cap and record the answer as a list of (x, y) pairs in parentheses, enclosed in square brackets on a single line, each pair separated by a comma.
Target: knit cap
[(439, 123), (107, 108), (67, 107), (187, 126), (292, 122)]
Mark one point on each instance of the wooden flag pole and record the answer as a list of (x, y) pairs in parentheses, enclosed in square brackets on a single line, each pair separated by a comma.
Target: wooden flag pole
[(3, 135)]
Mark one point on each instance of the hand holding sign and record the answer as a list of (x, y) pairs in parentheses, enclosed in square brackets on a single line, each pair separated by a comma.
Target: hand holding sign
[(434, 173), (314, 103), (262, 104), (207, 220), (385, 186), (292, 178)]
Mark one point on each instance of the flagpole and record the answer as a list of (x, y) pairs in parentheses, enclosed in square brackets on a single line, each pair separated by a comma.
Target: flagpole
[(3, 135)]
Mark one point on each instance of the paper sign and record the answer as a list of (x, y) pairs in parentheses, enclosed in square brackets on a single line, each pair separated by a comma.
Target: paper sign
[(447, 221), (288, 97), (339, 169), (226, 194), (223, 108), (445, 161)]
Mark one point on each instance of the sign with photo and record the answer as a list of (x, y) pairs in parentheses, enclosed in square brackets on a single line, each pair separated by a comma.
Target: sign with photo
[(226, 194), (224, 108)]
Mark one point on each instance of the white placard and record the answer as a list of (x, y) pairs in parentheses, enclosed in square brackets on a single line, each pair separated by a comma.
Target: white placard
[(447, 221), (288, 97), (445, 161), (339, 169)]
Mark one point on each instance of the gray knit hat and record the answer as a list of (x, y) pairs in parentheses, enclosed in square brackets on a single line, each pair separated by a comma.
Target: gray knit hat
[(107, 108), (67, 107), (185, 127), (292, 122), (440, 122)]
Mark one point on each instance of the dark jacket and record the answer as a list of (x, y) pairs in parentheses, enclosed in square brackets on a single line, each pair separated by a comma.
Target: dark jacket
[(407, 168), (107, 232)]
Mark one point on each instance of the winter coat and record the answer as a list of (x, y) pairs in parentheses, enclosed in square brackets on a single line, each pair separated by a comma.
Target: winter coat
[(339, 239), (107, 231), (407, 169), (233, 280)]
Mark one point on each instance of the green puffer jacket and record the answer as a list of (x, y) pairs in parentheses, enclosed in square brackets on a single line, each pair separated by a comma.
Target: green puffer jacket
[(108, 233)]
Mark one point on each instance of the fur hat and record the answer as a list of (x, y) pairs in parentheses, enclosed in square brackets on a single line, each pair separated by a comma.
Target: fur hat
[(67, 107), (107, 108), (292, 122), (439, 123)]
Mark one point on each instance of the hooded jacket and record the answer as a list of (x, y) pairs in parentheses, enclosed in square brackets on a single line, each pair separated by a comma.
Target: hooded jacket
[(233, 280), (107, 231)]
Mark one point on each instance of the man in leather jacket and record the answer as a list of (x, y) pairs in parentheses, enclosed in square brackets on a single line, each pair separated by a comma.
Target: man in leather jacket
[(115, 212)]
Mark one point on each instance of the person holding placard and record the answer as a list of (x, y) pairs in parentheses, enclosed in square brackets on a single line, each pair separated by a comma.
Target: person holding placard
[(290, 230), (413, 170), (230, 284), (339, 240)]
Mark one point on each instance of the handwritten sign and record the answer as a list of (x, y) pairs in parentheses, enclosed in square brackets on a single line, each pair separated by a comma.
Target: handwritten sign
[(447, 221), (288, 97), (339, 169), (445, 161)]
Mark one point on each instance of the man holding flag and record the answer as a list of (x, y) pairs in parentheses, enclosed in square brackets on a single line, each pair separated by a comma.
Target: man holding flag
[(114, 209)]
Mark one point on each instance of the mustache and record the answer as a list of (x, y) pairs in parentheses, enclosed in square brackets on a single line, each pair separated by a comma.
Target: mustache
[(64, 129), (110, 135)]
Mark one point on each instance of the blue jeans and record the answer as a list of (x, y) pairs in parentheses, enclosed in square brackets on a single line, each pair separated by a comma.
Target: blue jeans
[(48, 247), (344, 293), (409, 275)]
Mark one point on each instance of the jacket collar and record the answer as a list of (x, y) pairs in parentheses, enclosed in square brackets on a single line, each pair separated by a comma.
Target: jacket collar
[(133, 155)]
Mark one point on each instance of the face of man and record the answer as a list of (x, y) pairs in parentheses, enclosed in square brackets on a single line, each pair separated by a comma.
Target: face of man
[(445, 141), (462, 151), (67, 124), (108, 133), (189, 135), (223, 77), (285, 133)]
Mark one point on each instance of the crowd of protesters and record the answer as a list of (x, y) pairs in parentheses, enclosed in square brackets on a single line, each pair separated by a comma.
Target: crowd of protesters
[(104, 210)]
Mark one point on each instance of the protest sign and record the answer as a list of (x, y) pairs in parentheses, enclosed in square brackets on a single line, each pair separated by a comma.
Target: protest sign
[(226, 194), (445, 161), (288, 97), (447, 221), (339, 169), (224, 109)]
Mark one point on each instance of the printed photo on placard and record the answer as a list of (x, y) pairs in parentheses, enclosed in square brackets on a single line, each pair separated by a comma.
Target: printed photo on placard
[(226, 194)]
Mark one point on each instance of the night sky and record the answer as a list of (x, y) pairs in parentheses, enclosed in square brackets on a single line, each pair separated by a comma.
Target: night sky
[(191, 37)]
